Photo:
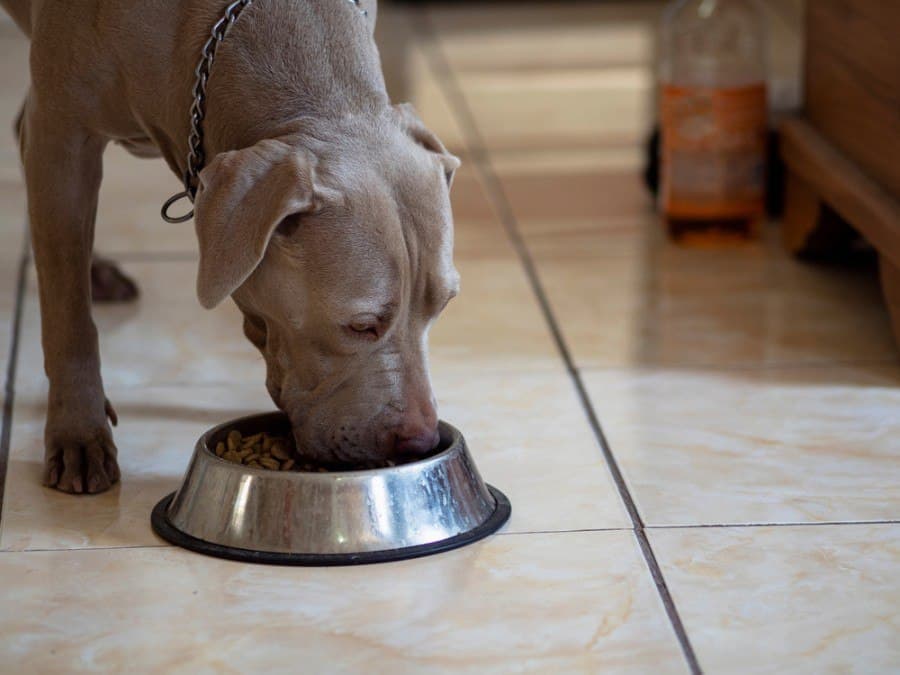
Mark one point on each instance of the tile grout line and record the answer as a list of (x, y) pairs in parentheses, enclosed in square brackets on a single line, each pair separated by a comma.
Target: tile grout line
[(583, 530), (818, 523), (90, 548), (481, 158), (742, 367), (15, 328), (131, 547), (577, 530)]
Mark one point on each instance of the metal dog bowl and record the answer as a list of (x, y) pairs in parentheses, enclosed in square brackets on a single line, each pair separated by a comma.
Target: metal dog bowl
[(233, 511)]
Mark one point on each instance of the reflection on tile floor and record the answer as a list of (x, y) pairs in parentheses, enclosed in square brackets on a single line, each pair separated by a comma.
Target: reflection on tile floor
[(14, 80), (128, 222), (535, 110), (660, 306), (14, 74), (156, 436), (574, 39), (626, 298), (12, 240), (549, 78), (788, 599), (12, 221), (165, 337), (540, 604), (783, 445), (733, 387)]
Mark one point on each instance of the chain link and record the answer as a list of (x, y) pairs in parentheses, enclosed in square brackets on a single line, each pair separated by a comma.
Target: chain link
[(196, 157)]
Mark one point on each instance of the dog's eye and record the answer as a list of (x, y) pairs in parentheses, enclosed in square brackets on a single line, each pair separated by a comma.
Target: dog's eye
[(365, 329), (288, 226)]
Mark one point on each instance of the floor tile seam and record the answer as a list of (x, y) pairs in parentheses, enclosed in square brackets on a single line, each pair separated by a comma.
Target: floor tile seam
[(774, 524), (63, 549), (465, 118), (687, 367), (575, 530), (586, 530)]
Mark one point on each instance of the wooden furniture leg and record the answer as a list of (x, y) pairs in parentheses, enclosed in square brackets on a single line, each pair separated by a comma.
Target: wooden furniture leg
[(811, 228), (890, 285)]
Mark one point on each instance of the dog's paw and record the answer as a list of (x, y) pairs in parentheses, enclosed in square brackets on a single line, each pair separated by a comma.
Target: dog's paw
[(83, 460), (110, 284)]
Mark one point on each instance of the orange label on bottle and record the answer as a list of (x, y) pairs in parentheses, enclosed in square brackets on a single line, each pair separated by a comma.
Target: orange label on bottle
[(713, 152)]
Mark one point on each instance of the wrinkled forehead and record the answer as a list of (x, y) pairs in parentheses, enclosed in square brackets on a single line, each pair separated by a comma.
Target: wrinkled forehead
[(427, 227), (379, 248)]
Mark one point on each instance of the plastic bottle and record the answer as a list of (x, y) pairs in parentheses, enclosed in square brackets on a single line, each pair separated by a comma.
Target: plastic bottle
[(713, 117)]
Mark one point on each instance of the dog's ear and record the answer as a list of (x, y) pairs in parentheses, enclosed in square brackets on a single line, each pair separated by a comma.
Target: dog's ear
[(425, 137), (242, 197)]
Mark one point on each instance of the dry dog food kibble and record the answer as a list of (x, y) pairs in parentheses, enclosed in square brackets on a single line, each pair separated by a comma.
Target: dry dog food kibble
[(276, 453), (259, 451)]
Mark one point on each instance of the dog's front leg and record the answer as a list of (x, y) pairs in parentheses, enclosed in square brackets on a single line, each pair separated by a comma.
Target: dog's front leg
[(63, 168)]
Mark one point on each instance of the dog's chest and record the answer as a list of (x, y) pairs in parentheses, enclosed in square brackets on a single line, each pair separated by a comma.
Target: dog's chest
[(140, 146)]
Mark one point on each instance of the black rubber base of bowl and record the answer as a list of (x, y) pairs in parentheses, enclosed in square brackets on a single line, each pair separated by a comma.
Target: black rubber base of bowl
[(167, 531)]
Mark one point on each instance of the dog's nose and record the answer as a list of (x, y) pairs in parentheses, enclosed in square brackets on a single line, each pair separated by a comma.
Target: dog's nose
[(416, 442), (418, 434)]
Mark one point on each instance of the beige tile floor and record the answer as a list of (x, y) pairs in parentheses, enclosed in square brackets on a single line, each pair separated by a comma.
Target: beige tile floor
[(743, 516)]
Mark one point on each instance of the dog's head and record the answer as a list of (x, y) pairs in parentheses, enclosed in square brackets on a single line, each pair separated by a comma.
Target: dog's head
[(340, 259)]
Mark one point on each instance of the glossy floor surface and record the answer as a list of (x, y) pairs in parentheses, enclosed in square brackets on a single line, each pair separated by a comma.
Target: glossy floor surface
[(702, 447)]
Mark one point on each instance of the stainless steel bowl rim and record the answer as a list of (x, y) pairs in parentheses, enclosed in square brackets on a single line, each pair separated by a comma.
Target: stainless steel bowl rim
[(203, 445), (164, 528)]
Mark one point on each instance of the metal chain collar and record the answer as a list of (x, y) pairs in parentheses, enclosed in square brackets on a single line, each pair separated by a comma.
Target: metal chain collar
[(196, 157)]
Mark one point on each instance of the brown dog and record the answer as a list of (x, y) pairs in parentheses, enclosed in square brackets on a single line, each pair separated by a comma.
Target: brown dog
[(322, 210)]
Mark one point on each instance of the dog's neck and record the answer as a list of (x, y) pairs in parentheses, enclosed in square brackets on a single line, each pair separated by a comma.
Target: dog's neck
[(286, 67)]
